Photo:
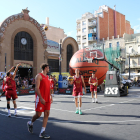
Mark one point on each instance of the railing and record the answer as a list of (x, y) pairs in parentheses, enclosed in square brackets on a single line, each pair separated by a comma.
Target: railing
[(91, 24), (91, 38), (131, 40), (91, 31), (78, 27), (78, 33), (132, 66), (133, 54), (84, 40)]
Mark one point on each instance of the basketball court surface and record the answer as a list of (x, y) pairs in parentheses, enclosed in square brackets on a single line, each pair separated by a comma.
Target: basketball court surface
[(113, 118)]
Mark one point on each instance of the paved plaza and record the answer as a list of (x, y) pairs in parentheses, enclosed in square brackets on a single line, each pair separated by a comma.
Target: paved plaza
[(113, 118)]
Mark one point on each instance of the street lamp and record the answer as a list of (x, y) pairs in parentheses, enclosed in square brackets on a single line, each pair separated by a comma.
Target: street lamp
[(60, 57), (129, 65), (120, 60), (44, 55), (29, 72)]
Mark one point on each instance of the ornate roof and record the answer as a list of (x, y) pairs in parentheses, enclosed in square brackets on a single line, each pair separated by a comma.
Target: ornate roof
[(22, 16)]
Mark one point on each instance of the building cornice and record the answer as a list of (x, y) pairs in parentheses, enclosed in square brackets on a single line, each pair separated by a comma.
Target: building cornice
[(22, 16)]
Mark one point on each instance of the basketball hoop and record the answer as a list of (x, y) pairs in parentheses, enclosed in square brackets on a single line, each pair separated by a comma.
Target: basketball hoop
[(90, 60)]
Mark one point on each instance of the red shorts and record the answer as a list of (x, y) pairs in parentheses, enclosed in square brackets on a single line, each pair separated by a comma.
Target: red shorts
[(41, 108), (75, 93), (93, 89), (11, 93), (52, 86)]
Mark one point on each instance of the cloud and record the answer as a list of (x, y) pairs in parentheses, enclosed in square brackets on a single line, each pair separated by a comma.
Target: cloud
[(138, 19), (69, 33), (137, 28)]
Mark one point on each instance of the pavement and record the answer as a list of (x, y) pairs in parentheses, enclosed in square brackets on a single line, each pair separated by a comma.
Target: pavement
[(113, 118)]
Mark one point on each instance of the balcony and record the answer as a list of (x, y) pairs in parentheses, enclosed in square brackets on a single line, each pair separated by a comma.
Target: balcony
[(132, 66), (78, 27), (84, 33), (131, 41), (78, 40), (78, 33), (84, 40), (92, 39), (91, 31), (91, 24), (134, 54)]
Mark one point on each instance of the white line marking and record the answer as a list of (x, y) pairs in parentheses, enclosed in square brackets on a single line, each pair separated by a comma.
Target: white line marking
[(62, 110), (66, 121), (98, 107)]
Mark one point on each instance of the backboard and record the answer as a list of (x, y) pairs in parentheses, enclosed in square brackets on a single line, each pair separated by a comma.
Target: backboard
[(95, 51)]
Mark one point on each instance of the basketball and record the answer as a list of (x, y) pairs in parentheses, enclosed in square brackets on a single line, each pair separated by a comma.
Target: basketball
[(45, 27), (99, 67), (70, 78)]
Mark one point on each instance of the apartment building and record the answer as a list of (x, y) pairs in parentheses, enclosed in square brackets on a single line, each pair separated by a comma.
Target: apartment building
[(132, 44), (105, 22)]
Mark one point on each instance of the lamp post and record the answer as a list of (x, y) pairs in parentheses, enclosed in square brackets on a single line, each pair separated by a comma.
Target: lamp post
[(129, 64), (120, 60), (29, 72), (60, 42), (5, 62), (44, 55)]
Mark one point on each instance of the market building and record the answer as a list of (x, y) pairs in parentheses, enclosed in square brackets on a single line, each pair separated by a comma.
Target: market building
[(24, 40)]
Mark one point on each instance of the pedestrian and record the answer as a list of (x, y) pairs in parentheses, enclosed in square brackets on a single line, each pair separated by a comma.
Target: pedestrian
[(43, 100), (93, 87), (52, 85), (55, 82)]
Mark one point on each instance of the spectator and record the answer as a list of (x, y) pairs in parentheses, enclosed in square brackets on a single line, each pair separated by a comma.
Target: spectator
[(33, 83), (25, 79), (55, 82), (1, 76), (18, 84), (26, 84)]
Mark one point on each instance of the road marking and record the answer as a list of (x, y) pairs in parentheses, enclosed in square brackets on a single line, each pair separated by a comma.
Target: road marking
[(72, 121)]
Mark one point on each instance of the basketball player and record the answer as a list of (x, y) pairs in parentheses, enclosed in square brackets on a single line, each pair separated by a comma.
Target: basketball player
[(52, 85), (93, 87), (10, 90), (42, 101), (77, 90)]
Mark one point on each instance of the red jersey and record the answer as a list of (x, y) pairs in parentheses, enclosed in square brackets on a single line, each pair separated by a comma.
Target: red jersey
[(92, 80), (44, 89), (3, 86), (77, 84), (51, 83), (10, 84)]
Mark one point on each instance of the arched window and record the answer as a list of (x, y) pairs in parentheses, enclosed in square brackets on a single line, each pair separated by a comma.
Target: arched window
[(23, 47), (69, 55)]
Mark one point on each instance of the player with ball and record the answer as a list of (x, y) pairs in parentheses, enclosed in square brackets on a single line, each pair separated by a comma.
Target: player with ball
[(93, 87), (77, 80)]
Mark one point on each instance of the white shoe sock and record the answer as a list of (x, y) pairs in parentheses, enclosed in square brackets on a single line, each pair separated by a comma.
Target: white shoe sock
[(76, 108), (42, 129), (79, 108), (30, 122), (9, 111)]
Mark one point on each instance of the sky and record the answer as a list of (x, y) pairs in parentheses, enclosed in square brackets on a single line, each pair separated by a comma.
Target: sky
[(64, 13)]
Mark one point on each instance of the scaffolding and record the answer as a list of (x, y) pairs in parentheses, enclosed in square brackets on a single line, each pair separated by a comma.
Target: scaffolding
[(111, 54)]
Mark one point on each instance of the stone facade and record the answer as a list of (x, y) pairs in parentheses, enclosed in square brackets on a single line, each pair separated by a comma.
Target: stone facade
[(23, 22)]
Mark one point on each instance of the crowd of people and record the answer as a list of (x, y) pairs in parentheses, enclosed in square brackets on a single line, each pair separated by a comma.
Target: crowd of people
[(26, 82)]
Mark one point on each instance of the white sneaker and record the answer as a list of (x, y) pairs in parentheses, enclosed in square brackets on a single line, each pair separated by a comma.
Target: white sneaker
[(96, 101), (15, 114), (93, 100), (9, 114)]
